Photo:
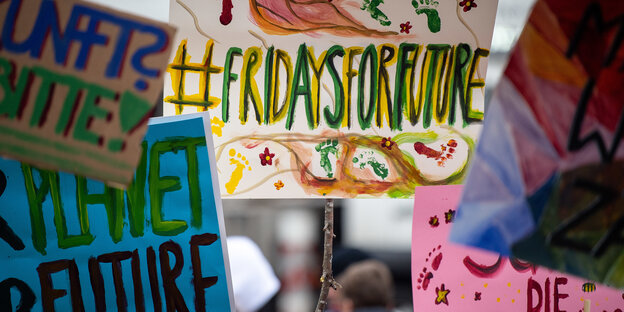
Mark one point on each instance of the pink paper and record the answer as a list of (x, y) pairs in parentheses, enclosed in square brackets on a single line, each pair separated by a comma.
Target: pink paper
[(450, 277)]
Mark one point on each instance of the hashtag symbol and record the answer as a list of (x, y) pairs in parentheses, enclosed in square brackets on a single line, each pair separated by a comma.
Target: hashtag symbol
[(178, 70)]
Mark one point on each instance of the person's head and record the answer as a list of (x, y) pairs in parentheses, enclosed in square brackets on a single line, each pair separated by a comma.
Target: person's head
[(366, 284)]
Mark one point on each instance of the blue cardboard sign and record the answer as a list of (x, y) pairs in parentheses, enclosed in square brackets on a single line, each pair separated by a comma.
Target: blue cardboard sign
[(73, 244)]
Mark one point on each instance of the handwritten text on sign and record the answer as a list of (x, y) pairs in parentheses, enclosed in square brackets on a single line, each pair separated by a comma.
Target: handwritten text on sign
[(333, 98), (76, 244), (451, 277), (78, 83)]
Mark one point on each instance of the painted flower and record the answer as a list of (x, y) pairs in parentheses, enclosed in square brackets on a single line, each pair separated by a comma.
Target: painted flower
[(468, 4), (449, 216), (266, 158), (405, 27), (278, 185), (477, 296), (387, 143), (434, 221)]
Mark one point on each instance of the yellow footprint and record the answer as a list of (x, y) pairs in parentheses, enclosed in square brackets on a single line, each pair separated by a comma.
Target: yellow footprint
[(241, 162), (217, 126)]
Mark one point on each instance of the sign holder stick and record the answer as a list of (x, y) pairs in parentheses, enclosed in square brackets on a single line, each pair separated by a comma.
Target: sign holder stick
[(327, 277)]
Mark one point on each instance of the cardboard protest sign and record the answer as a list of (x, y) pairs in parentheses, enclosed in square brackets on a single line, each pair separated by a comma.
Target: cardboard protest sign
[(74, 244), (452, 277), (78, 83), (333, 98), (546, 182)]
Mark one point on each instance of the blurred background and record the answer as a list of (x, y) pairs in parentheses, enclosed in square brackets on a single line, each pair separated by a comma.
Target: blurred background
[(289, 232)]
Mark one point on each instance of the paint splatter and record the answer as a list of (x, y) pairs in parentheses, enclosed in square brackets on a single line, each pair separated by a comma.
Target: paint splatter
[(241, 163), (226, 12), (430, 9), (217, 126), (442, 295), (367, 158), (372, 7), (326, 148), (278, 185)]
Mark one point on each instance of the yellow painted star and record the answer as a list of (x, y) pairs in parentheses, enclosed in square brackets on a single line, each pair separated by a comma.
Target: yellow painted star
[(442, 293)]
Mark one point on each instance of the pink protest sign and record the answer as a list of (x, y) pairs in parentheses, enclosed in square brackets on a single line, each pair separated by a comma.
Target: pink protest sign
[(450, 277)]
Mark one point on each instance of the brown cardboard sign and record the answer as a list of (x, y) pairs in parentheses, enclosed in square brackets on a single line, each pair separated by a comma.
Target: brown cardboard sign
[(78, 82)]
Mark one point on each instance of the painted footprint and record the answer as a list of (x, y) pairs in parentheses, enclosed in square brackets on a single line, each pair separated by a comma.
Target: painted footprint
[(430, 9), (325, 148), (241, 164), (372, 7), (441, 160), (367, 158), (425, 277), (216, 126), (446, 151)]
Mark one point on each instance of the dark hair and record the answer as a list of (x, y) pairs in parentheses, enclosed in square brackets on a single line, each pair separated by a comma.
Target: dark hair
[(368, 284)]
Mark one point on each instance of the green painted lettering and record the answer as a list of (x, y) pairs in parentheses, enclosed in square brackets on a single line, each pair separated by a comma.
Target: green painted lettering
[(430, 85), (252, 60), (228, 77), (404, 82), (473, 115), (89, 111), (456, 87), (335, 120), (387, 57), (13, 99), (136, 196), (365, 118), (36, 196), (302, 72)]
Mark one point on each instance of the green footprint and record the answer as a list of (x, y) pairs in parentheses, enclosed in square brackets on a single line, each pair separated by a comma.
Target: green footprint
[(372, 7), (367, 158), (325, 148), (429, 8)]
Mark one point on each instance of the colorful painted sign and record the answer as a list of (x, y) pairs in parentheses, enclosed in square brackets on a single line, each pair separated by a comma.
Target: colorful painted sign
[(74, 244), (333, 98), (78, 83), (546, 182), (451, 277)]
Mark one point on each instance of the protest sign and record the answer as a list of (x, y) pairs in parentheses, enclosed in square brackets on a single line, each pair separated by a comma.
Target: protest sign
[(333, 98), (452, 277), (74, 244), (78, 83), (546, 183)]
